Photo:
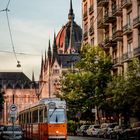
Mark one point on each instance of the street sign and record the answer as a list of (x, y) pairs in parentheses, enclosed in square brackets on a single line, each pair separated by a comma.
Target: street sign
[(13, 108)]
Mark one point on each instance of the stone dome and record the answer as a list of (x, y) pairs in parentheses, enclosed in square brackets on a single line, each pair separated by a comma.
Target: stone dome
[(70, 35)]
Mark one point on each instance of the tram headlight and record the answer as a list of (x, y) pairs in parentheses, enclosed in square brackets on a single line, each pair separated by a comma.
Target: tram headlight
[(57, 132)]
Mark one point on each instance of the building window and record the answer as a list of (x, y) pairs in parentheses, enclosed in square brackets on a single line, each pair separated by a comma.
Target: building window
[(91, 21), (129, 15), (56, 71), (106, 11), (86, 27), (92, 41), (129, 49), (114, 54), (114, 28)]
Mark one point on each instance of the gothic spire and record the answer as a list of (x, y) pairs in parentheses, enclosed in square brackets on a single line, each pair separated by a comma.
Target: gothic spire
[(33, 77), (42, 67), (71, 14), (54, 45), (49, 52), (45, 57), (71, 47)]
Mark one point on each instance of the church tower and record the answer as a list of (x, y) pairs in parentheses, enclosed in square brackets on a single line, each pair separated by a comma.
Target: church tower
[(63, 55)]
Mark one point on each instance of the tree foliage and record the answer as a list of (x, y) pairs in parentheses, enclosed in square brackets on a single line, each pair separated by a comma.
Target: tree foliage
[(124, 91), (86, 87)]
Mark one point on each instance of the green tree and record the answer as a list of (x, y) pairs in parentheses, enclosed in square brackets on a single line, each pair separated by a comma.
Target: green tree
[(124, 92), (86, 88)]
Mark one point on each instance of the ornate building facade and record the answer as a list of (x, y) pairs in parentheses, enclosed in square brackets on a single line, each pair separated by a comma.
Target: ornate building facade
[(115, 26), (17, 89), (64, 53)]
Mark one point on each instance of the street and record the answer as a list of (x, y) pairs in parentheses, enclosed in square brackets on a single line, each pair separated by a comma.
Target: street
[(84, 138)]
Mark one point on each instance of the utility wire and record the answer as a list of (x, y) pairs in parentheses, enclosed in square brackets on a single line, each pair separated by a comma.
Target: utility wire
[(11, 38), (12, 43), (8, 4), (2, 51)]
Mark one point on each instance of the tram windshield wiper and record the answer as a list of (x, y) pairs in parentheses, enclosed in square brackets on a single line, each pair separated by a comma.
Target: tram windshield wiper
[(53, 112)]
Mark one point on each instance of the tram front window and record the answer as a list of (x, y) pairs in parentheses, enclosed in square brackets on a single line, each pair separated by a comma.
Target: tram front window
[(56, 116)]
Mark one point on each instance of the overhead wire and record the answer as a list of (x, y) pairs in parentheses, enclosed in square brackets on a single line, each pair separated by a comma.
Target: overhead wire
[(10, 32), (20, 53)]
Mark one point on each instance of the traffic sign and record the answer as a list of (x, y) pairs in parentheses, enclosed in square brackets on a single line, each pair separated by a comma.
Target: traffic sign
[(13, 107)]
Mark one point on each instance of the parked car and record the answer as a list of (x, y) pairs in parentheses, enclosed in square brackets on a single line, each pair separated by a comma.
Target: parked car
[(93, 130), (106, 129), (1, 128), (82, 130), (116, 133), (12, 133), (132, 133)]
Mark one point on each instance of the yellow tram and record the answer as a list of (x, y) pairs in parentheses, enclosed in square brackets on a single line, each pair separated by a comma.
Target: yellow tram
[(45, 120)]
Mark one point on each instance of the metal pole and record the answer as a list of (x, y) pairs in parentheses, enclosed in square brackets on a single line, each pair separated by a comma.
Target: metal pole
[(13, 103)]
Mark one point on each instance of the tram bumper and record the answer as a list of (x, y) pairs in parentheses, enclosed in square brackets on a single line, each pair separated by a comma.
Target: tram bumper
[(56, 137)]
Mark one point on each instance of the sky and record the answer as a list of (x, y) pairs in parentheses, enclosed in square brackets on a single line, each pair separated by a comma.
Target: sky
[(32, 23)]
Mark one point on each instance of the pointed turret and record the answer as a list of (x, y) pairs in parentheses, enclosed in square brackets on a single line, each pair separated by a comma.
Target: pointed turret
[(71, 48), (42, 67), (54, 45), (49, 53), (33, 77), (55, 53), (71, 14), (45, 57)]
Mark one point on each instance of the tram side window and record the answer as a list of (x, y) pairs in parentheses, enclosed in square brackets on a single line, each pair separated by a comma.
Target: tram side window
[(41, 115), (19, 119), (35, 116), (45, 115), (27, 121)]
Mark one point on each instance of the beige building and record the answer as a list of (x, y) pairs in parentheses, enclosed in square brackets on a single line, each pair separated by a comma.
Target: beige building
[(115, 26)]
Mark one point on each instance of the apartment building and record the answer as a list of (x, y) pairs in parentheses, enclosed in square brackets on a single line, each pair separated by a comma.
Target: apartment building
[(115, 26)]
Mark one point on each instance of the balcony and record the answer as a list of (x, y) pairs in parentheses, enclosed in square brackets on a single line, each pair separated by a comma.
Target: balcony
[(85, 15), (85, 35), (101, 24), (102, 2), (117, 35), (117, 10), (126, 3), (136, 22), (137, 51), (108, 42), (127, 56), (117, 61), (91, 9), (127, 29), (91, 30), (109, 18)]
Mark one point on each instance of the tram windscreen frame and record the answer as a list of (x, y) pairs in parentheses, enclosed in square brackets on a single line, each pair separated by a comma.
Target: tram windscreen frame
[(56, 115)]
